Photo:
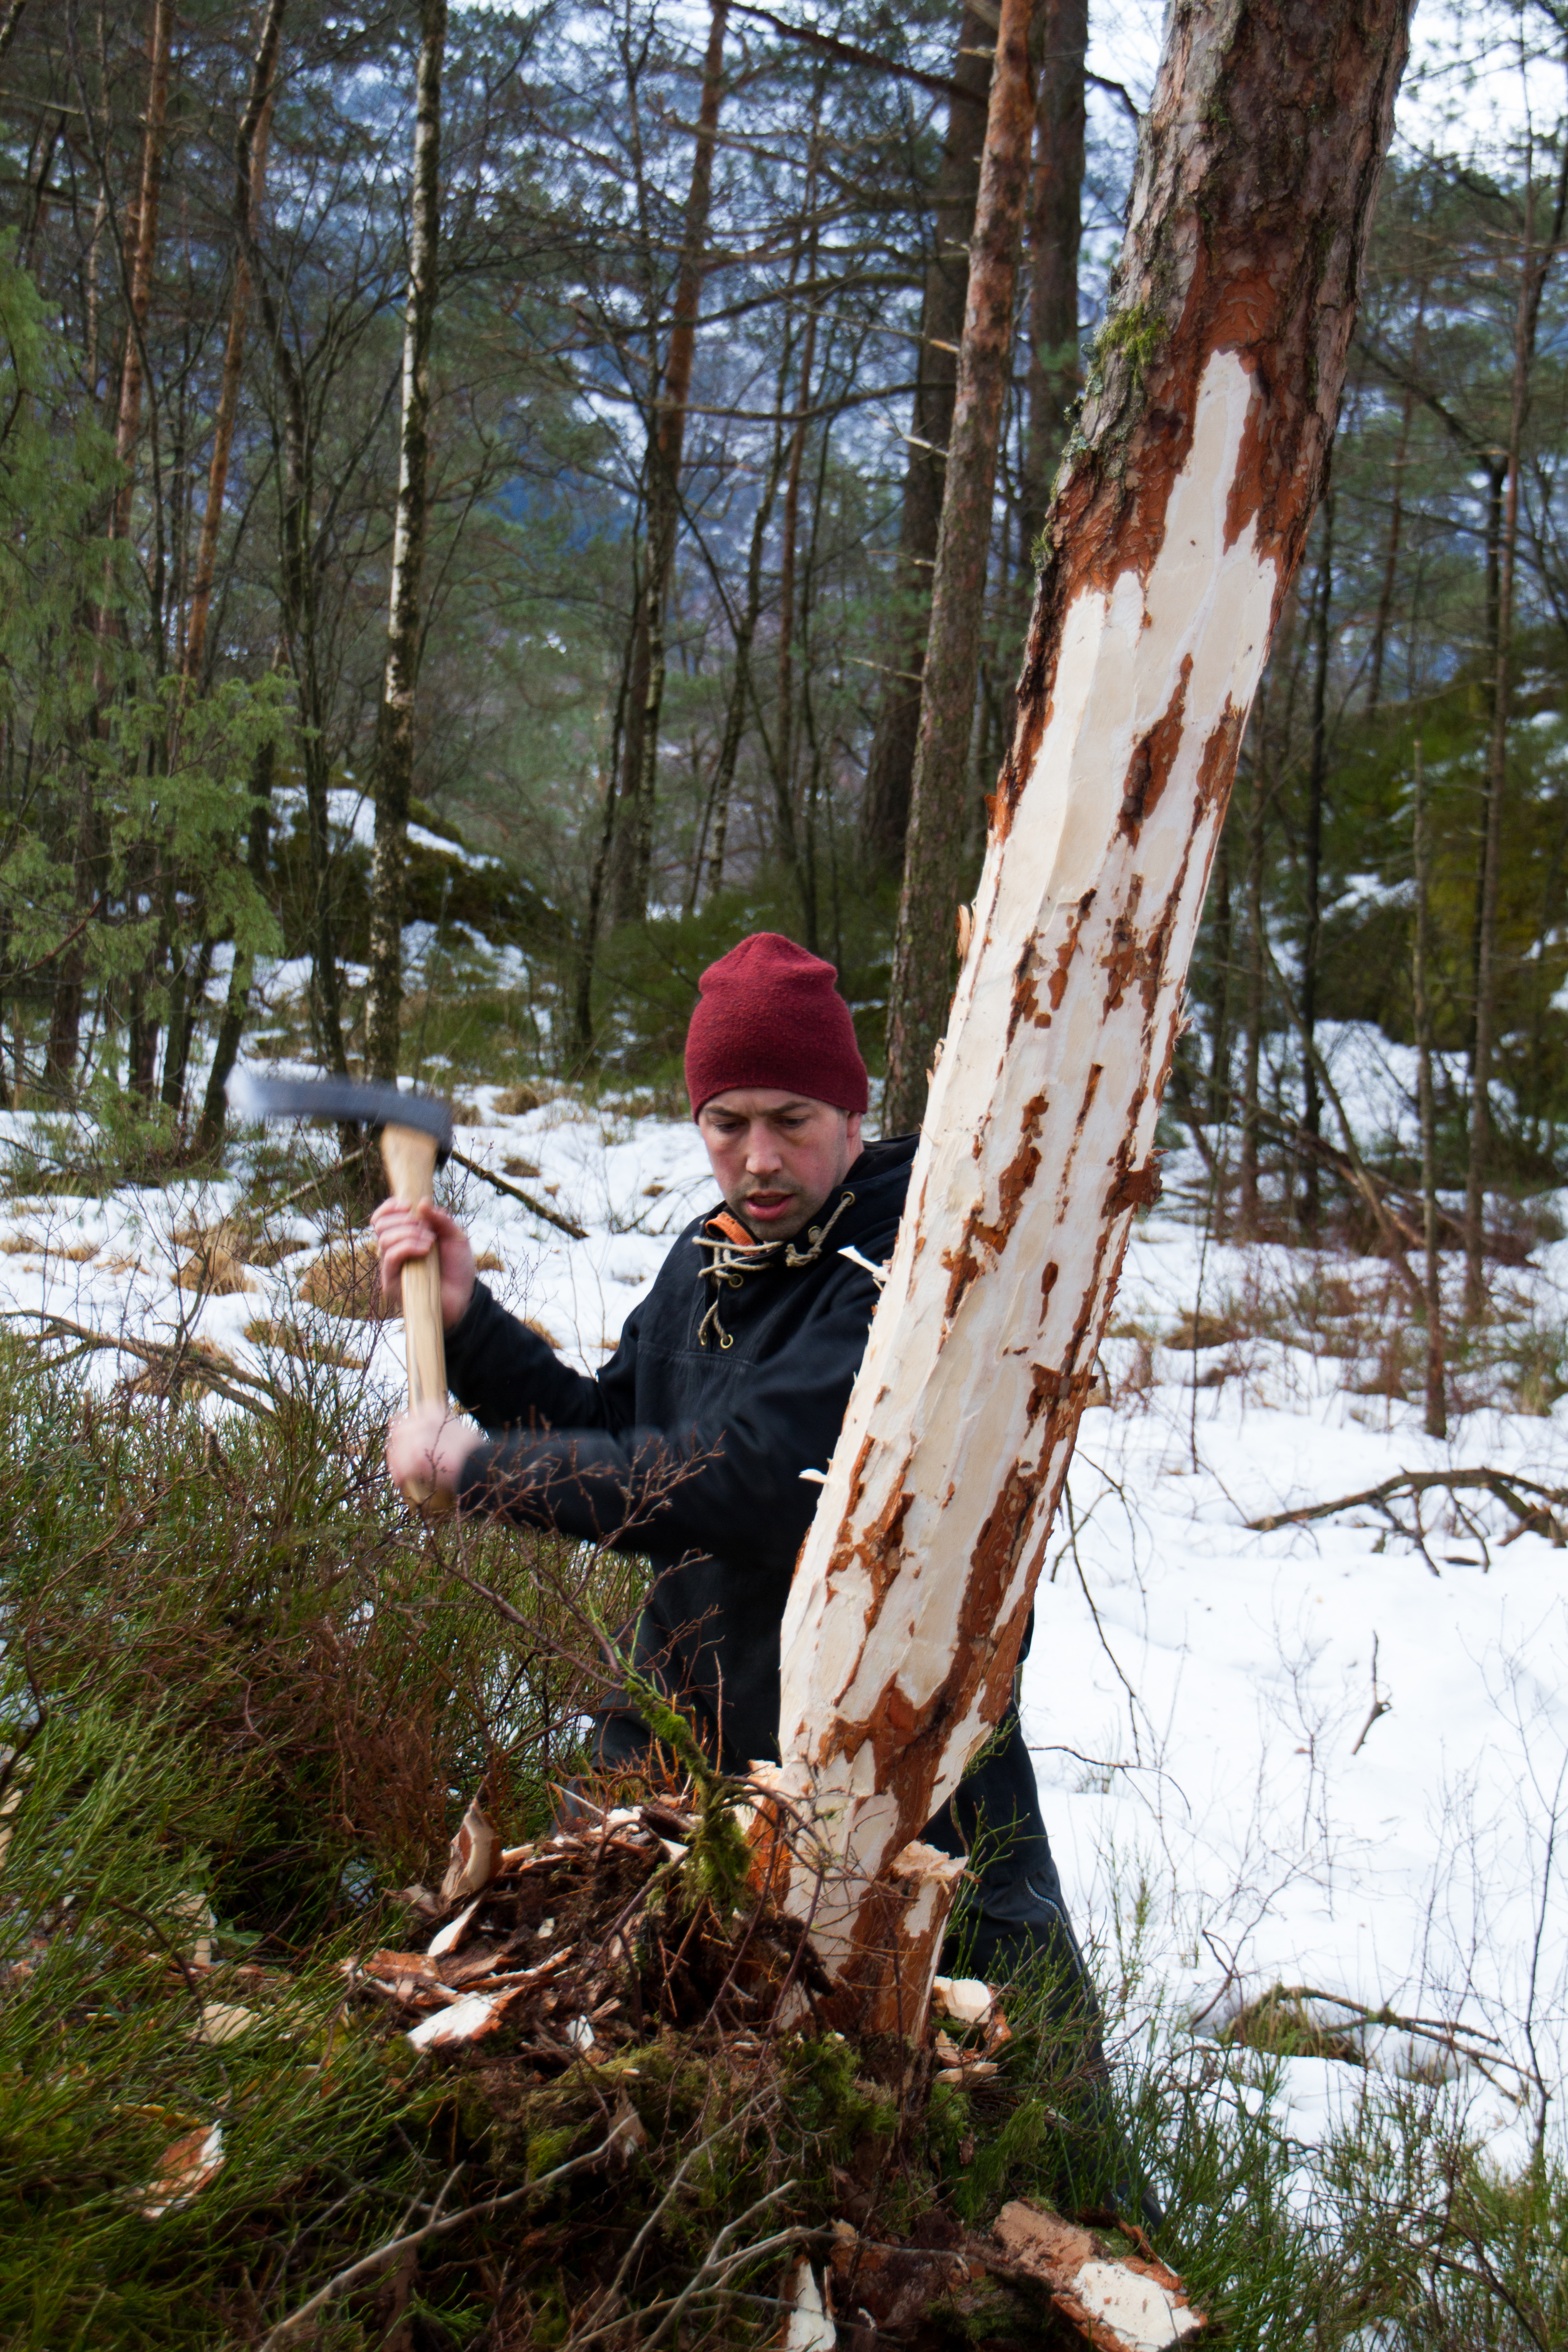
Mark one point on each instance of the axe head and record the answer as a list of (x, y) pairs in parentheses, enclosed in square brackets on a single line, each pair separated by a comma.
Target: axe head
[(344, 1099)]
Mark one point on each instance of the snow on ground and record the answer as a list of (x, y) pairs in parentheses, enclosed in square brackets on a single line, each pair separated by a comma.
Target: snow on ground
[(1198, 1695)]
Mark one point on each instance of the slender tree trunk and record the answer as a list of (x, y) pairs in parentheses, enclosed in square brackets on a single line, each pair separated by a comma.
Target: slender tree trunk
[(784, 759), (583, 1040), (404, 621), (1256, 832), (890, 765), (231, 1028), (1312, 948), (1534, 265), (1436, 1408), (923, 951), (138, 278), (1176, 532), (1055, 231), (10, 25), (250, 176), (1480, 1153), (297, 599), (1390, 580), (635, 821), (740, 685)]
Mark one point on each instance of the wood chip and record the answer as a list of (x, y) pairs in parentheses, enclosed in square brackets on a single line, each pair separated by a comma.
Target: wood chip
[(186, 2166), (475, 1857), (1118, 2304)]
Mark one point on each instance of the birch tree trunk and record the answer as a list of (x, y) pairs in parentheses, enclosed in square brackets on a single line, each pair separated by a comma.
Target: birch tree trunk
[(1178, 523), (405, 619), (923, 949)]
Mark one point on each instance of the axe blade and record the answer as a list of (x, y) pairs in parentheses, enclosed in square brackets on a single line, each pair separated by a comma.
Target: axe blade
[(363, 1102)]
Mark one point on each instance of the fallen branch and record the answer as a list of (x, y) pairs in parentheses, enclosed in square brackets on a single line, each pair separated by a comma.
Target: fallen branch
[(1509, 1490), (182, 1360), (504, 1184), (310, 1185), (1461, 2041)]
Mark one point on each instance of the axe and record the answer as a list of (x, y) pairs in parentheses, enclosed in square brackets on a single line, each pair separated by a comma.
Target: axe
[(415, 1136)]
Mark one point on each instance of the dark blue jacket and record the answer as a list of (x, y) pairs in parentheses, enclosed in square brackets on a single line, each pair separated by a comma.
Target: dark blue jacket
[(732, 1378)]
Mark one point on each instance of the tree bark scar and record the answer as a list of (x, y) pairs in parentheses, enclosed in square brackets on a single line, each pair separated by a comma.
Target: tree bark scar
[(1148, 770), (1135, 1187), (1218, 767)]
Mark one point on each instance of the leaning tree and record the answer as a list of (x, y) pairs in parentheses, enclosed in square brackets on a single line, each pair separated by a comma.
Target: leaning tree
[(1179, 517)]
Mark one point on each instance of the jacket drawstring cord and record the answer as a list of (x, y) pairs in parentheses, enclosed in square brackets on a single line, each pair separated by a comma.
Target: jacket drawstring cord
[(732, 1262)]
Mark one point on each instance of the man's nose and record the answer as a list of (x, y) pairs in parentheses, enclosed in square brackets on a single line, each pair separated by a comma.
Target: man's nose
[(762, 1152)]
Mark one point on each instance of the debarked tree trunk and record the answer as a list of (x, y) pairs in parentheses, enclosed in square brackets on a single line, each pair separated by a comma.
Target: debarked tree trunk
[(1180, 520)]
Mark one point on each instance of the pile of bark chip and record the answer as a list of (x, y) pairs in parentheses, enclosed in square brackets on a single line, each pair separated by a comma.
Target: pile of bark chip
[(621, 2004), (586, 1941)]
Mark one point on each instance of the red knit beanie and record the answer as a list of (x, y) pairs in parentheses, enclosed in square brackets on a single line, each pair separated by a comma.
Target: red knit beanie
[(770, 1015)]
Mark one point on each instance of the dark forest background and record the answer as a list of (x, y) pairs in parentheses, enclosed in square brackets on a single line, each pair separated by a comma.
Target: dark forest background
[(684, 291)]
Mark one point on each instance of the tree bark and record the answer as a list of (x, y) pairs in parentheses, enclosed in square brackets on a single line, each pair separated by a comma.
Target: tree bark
[(1178, 526), (1311, 950), (299, 636), (741, 684), (889, 767), (1055, 231), (393, 780), (139, 278), (1252, 1051), (236, 1004), (785, 756), (1436, 1406), (634, 820), (1534, 262), (922, 949), (249, 178), (10, 25)]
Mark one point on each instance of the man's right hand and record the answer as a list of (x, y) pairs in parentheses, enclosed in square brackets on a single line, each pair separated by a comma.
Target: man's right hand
[(402, 1234)]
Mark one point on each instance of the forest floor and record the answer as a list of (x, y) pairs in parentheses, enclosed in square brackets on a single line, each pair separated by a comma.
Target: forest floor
[(1331, 1758)]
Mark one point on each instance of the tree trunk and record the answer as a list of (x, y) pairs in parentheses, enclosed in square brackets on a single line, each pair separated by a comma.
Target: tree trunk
[(633, 858), (139, 278), (249, 178), (1175, 533), (784, 757), (1533, 266), (405, 619), (1256, 823), (922, 949), (890, 765), (236, 1003), (297, 599), (1385, 613), (1312, 951), (10, 25), (740, 685), (1055, 230), (1436, 1407)]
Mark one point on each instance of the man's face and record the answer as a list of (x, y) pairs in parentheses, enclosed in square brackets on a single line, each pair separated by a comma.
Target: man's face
[(777, 1156)]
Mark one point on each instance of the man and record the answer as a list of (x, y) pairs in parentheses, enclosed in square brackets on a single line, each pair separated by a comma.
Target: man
[(729, 1387)]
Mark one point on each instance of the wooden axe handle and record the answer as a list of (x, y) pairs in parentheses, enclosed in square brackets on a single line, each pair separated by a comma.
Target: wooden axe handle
[(409, 1157)]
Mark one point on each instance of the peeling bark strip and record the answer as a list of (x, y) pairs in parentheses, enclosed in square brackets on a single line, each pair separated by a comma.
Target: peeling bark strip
[(1179, 521)]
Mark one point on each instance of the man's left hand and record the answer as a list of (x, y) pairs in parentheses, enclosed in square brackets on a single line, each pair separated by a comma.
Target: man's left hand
[(430, 1442)]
